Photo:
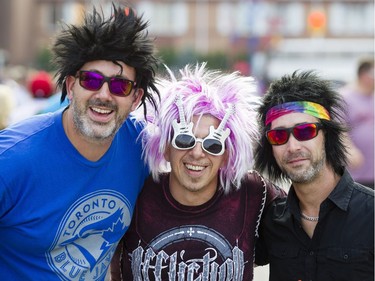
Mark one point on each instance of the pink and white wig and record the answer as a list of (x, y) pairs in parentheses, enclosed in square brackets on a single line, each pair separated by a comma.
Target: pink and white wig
[(204, 92)]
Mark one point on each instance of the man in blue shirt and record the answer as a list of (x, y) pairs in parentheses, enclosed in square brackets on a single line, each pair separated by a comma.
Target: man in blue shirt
[(69, 179)]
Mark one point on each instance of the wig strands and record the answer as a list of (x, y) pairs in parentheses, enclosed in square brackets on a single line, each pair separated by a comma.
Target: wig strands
[(203, 92), (120, 37)]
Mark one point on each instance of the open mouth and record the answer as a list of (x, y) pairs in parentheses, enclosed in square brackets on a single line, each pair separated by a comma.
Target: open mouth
[(194, 168), (101, 115)]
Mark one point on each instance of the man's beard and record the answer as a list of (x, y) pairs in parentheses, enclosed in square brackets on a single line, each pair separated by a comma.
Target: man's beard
[(308, 174), (94, 132)]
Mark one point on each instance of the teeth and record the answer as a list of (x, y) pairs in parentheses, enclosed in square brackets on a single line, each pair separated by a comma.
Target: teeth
[(194, 168), (101, 111)]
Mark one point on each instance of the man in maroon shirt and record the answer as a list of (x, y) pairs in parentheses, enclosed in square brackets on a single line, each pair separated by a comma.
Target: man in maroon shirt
[(198, 221)]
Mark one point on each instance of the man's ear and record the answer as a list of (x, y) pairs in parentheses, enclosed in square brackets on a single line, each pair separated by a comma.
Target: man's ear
[(137, 98), (70, 81)]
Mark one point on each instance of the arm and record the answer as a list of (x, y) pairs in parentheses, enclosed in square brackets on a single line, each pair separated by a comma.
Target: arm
[(276, 196), (115, 268)]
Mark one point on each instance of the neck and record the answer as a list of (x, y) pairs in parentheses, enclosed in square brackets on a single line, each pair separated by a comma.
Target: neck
[(190, 193), (313, 193)]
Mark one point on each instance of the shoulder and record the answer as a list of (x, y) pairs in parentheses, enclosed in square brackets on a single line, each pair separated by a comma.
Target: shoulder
[(133, 124), (151, 200), (152, 188), (130, 131), (363, 196), (28, 130), (364, 190), (353, 189), (254, 179)]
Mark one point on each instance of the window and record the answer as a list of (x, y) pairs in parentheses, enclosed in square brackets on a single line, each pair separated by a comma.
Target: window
[(165, 18), (348, 19), (257, 19)]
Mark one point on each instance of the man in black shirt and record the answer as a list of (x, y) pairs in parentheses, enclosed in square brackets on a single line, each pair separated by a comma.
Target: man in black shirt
[(325, 229)]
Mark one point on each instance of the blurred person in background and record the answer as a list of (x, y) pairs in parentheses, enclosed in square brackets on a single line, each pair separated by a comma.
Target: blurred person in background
[(69, 179), (15, 77), (324, 231), (200, 220), (360, 117), (40, 87), (41, 84), (53, 103), (6, 105)]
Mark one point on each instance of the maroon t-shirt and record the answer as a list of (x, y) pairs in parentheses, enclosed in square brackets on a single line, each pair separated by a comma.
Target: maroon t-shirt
[(170, 241)]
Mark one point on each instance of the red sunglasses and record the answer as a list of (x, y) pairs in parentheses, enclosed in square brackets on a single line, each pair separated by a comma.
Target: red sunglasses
[(93, 81), (302, 132)]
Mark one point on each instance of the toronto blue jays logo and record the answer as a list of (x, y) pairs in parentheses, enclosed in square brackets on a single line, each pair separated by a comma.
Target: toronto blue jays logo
[(88, 234)]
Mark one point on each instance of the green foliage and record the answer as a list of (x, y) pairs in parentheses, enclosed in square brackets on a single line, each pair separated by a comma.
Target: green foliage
[(215, 60), (174, 59), (43, 60)]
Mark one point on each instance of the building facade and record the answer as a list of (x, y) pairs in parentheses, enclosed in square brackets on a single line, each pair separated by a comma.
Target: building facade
[(274, 36)]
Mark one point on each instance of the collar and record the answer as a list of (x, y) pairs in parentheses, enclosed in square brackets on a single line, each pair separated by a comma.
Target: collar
[(342, 193)]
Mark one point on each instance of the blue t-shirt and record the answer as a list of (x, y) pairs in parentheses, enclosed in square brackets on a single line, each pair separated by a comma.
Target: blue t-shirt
[(61, 215)]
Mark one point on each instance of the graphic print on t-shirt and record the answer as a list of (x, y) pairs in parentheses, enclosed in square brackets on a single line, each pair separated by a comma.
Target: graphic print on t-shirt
[(88, 234), (220, 261)]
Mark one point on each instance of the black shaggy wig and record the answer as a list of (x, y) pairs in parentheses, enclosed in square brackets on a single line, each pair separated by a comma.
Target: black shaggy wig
[(121, 37), (303, 86)]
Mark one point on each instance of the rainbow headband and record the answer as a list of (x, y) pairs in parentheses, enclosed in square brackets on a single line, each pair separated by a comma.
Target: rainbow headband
[(307, 107)]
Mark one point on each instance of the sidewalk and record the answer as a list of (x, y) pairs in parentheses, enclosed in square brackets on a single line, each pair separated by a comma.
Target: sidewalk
[(261, 273)]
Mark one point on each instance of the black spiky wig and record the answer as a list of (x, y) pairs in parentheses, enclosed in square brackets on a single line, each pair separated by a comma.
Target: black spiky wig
[(303, 86), (121, 37)]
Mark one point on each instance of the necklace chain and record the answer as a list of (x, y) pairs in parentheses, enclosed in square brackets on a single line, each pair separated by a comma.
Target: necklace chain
[(306, 217)]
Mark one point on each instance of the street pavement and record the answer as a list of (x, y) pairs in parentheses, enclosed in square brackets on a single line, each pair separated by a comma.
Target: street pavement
[(261, 273)]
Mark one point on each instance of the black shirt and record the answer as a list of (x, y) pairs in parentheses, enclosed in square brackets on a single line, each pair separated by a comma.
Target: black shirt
[(342, 246), (213, 241)]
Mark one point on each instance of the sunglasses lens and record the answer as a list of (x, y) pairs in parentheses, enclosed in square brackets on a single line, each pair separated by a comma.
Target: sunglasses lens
[(184, 141), (91, 80), (301, 132), (212, 146), (305, 131), (120, 87), (277, 137)]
